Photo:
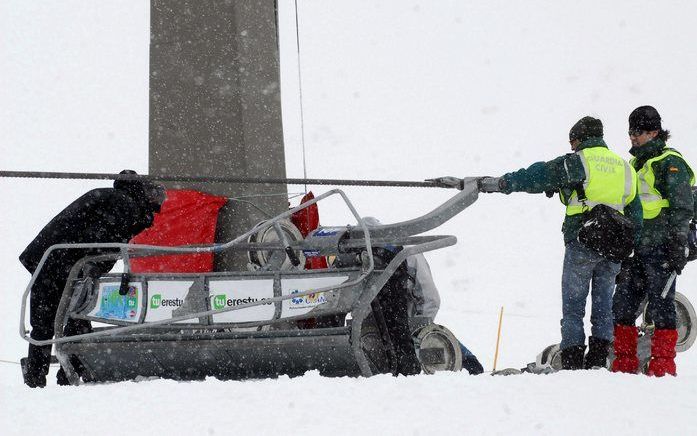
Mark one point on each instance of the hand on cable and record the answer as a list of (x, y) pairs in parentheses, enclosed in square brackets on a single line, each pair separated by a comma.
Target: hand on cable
[(677, 256), (449, 182)]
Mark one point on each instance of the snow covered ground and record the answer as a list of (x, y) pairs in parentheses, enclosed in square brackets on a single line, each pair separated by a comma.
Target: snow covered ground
[(392, 90)]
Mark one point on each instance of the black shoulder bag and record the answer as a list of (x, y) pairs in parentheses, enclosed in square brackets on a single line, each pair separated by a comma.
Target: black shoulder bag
[(606, 231)]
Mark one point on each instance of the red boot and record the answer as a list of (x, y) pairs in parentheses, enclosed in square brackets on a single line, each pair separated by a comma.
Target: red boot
[(626, 360), (663, 353)]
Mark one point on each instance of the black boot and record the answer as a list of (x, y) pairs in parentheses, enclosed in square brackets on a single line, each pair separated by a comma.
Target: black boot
[(572, 357), (597, 353), (61, 378), (408, 364), (472, 365), (78, 367), (35, 366)]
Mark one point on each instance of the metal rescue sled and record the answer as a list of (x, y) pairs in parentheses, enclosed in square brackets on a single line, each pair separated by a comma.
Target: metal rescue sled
[(244, 324)]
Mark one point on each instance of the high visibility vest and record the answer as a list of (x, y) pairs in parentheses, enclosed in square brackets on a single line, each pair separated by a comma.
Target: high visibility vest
[(651, 200), (610, 180)]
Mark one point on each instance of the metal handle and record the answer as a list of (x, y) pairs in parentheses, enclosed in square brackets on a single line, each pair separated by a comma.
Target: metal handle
[(489, 184), (669, 283)]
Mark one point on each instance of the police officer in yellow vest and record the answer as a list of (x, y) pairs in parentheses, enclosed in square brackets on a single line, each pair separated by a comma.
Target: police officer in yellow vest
[(665, 181), (607, 179)]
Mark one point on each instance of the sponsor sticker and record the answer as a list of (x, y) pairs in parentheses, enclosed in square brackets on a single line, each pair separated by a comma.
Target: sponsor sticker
[(157, 302), (300, 305), (164, 297), (113, 305), (221, 301), (323, 232), (226, 294), (306, 301)]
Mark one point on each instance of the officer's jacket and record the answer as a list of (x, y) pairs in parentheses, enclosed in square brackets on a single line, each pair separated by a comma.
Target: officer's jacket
[(672, 179), (563, 175)]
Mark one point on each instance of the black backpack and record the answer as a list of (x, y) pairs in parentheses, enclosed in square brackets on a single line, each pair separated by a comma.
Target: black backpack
[(606, 231)]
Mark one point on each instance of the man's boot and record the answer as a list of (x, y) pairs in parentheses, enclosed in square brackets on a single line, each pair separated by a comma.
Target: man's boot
[(597, 353), (572, 357), (470, 363), (408, 364), (35, 366), (663, 353), (626, 360)]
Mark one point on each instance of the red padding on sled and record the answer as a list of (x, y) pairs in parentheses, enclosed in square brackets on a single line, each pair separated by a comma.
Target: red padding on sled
[(307, 220), (187, 217)]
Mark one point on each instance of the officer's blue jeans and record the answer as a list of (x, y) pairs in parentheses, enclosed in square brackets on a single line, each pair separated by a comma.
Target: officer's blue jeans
[(586, 270)]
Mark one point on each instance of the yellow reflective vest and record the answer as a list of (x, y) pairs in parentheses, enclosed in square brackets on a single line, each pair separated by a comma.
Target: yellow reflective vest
[(651, 200), (610, 180)]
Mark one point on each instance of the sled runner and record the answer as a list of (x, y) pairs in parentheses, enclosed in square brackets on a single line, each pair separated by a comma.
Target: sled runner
[(247, 324)]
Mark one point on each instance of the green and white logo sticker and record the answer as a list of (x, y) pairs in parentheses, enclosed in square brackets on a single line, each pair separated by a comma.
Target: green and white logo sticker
[(155, 301), (219, 301)]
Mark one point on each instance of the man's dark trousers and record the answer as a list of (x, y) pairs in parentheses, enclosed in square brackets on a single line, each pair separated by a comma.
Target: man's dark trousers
[(646, 276)]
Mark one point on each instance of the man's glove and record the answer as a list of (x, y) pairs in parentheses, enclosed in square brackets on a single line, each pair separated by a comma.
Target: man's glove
[(677, 256), (692, 241), (449, 182), (626, 270)]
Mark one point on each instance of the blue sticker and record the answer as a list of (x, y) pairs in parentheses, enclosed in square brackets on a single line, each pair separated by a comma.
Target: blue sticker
[(116, 306)]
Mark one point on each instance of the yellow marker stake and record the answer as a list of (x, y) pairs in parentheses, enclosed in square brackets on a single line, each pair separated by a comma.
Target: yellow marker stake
[(498, 338)]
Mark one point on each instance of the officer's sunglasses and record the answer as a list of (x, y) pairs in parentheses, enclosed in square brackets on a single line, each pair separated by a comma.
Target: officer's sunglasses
[(635, 132)]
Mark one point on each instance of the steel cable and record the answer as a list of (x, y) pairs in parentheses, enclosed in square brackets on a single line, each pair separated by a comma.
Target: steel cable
[(231, 180)]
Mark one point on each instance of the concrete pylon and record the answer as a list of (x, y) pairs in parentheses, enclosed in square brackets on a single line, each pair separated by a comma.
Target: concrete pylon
[(215, 104)]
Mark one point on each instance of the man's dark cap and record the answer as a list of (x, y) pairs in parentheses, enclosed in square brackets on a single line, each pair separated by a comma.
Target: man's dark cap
[(586, 127), (645, 118), (152, 192)]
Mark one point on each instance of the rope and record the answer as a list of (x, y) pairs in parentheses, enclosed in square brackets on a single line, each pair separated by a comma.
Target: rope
[(300, 92), (231, 180)]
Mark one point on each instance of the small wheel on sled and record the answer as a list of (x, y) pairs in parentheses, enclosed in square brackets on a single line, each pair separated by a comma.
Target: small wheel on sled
[(686, 322), (437, 349)]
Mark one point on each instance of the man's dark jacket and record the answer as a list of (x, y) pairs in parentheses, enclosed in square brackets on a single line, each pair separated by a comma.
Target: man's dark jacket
[(101, 215)]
